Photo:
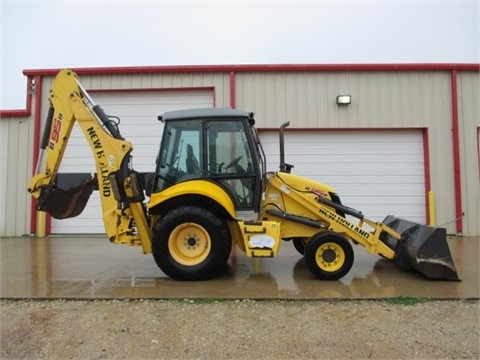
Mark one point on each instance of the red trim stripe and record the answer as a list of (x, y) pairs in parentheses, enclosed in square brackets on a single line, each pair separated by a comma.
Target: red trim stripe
[(37, 117), (259, 67), (232, 89), (149, 90), (478, 148), (426, 174), (456, 154), (343, 129)]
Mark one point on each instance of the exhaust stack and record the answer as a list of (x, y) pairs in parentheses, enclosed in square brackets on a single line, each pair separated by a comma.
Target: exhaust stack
[(283, 166)]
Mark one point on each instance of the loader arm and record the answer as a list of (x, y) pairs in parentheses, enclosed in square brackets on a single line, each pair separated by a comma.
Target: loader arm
[(321, 213), (124, 214), (306, 210)]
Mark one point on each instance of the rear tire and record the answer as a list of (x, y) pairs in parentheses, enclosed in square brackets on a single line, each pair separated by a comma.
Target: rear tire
[(329, 256), (191, 243)]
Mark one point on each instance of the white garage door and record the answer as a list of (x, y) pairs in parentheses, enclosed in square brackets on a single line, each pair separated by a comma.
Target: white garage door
[(138, 113), (377, 172)]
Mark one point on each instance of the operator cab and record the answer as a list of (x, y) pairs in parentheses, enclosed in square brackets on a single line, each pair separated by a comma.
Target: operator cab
[(218, 145)]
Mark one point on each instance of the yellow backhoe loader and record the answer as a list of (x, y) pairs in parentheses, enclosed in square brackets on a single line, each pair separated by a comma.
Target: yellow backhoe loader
[(210, 190)]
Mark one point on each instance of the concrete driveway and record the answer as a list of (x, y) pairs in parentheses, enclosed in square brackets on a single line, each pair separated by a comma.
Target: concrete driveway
[(89, 267)]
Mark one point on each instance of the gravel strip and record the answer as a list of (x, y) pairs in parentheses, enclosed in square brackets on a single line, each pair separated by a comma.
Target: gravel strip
[(239, 329)]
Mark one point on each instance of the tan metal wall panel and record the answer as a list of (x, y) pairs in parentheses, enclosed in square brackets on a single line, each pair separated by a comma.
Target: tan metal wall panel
[(219, 81), (3, 177), (16, 170), (380, 99), (469, 122), (407, 99)]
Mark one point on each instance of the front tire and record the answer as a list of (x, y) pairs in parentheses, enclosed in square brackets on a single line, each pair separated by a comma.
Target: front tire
[(329, 256), (191, 243), (299, 244)]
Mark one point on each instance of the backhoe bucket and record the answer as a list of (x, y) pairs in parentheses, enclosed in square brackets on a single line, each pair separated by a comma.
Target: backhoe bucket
[(63, 204), (423, 248)]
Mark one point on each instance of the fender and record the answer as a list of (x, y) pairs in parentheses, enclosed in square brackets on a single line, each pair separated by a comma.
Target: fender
[(195, 187)]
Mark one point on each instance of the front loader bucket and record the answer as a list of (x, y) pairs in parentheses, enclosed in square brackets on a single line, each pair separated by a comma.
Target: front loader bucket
[(63, 204), (423, 248)]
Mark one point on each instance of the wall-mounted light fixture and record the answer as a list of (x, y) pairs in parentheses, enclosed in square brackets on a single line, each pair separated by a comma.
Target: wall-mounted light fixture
[(344, 99)]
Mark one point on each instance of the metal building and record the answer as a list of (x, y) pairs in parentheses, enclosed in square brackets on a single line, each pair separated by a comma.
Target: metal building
[(404, 140)]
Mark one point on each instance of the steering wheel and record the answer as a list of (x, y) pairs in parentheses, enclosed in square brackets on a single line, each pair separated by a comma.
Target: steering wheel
[(234, 162)]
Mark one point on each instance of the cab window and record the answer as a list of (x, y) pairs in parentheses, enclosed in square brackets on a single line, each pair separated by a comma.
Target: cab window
[(180, 157), (230, 160)]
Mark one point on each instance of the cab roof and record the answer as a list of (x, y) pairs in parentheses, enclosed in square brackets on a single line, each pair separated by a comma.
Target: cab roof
[(205, 113)]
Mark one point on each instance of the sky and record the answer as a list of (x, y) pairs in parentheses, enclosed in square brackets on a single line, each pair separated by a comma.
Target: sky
[(77, 34)]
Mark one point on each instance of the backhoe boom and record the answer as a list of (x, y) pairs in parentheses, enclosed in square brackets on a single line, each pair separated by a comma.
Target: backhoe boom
[(71, 104)]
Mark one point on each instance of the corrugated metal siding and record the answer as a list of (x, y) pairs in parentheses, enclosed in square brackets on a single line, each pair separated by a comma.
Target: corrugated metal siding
[(408, 99), (380, 99), (220, 81), (3, 177), (469, 121), (16, 165)]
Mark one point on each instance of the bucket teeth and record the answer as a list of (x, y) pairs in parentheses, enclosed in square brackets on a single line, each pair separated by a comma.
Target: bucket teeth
[(63, 204), (423, 248)]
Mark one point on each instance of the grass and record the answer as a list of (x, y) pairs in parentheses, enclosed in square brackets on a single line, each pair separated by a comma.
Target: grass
[(406, 300)]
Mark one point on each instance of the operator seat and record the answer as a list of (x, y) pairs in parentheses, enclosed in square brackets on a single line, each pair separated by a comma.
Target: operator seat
[(191, 161)]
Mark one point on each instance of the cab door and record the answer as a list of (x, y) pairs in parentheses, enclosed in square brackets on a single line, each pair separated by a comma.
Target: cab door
[(230, 161)]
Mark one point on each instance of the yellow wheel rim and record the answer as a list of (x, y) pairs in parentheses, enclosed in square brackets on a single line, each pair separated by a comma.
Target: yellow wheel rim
[(189, 244), (330, 257)]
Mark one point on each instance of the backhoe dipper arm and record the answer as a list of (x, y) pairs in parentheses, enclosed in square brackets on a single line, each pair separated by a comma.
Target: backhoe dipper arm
[(70, 103)]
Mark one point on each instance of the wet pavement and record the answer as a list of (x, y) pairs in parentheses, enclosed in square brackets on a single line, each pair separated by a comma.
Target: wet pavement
[(89, 267)]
